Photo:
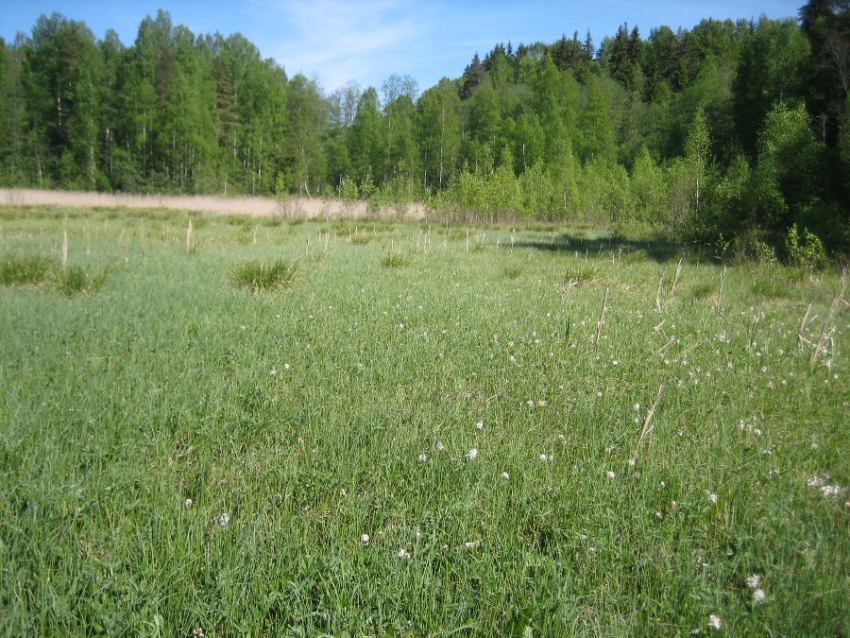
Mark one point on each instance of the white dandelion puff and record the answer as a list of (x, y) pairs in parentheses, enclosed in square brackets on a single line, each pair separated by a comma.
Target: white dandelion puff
[(479, 425), (712, 497), (753, 581), (439, 447), (224, 519), (610, 474), (423, 458), (506, 476), (403, 554), (715, 622), (472, 454), (758, 596), (364, 540)]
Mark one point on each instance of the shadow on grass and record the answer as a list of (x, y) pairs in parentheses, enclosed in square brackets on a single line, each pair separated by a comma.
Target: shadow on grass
[(658, 251)]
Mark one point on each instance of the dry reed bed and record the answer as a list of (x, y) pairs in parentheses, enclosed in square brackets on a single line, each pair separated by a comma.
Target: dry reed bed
[(295, 208)]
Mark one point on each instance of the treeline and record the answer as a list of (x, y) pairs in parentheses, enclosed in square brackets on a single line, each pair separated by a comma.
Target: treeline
[(731, 132)]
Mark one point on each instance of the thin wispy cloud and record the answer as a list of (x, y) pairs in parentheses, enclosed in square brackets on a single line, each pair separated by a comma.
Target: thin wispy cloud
[(340, 41)]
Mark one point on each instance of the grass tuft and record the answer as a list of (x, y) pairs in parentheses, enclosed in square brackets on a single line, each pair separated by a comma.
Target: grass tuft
[(24, 270), (75, 279), (261, 277), (581, 274), (396, 260)]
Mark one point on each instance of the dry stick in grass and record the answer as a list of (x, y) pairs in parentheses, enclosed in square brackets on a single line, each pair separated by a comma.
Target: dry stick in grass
[(190, 241), (676, 278), (65, 250), (646, 429), (720, 294), (824, 335), (658, 306), (600, 322)]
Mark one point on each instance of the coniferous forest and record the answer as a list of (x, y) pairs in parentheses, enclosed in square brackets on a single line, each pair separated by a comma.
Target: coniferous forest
[(735, 134)]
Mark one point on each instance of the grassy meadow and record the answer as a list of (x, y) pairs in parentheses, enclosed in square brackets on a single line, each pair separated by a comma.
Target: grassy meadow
[(371, 428)]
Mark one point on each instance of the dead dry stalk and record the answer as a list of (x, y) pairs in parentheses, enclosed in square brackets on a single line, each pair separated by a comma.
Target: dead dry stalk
[(827, 330), (647, 428), (601, 321)]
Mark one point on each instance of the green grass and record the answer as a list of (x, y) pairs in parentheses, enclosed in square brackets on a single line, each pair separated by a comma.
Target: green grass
[(175, 455), (262, 276)]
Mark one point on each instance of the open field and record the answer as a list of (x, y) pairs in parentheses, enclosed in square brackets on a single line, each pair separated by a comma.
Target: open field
[(427, 430)]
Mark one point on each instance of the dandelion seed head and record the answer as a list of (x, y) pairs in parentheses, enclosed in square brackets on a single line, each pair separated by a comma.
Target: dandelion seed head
[(712, 497), (439, 447), (715, 622), (187, 502), (758, 596), (472, 454), (506, 476), (224, 519), (611, 474), (423, 458), (479, 425), (364, 539), (753, 581)]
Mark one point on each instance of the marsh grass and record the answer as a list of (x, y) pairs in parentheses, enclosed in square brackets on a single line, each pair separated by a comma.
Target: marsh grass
[(175, 459), (262, 276)]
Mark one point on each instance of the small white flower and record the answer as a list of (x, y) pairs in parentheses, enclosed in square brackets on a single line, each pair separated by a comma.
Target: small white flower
[(272, 372), (286, 366), (403, 554), (439, 447), (471, 544), (472, 454), (715, 622), (753, 581), (711, 496), (542, 403), (479, 425), (611, 474), (636, 407), (224, 519), (342, 493), (506, 476), (422, 458), (632, 462), (364, 539), (530, 403), (758, 596), (187, 502), (545, 457)]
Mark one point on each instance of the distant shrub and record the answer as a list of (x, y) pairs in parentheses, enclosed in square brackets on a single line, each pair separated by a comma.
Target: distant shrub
[(804, 248), (261, 277)]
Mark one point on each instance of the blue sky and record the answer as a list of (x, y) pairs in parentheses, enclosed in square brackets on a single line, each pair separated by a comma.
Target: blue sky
[(337, 41)]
